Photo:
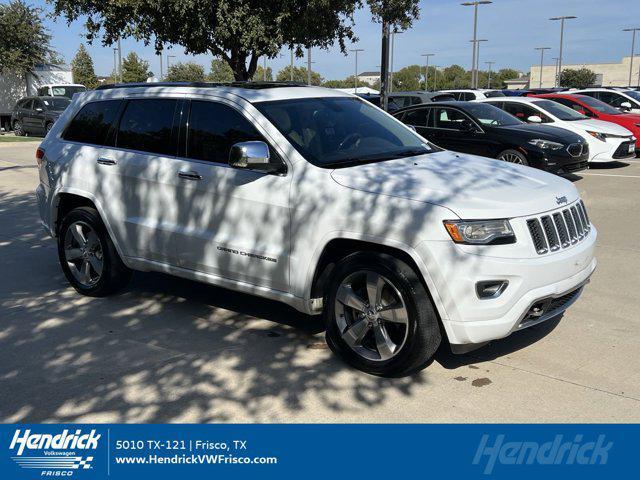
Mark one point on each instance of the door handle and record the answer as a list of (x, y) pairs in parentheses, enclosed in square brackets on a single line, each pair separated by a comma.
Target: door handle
[(190, 175), (106, 161)]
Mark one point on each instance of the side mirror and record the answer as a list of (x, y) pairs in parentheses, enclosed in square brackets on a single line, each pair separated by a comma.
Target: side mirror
[(412, 128), (252, 156), (534, 119), (626, 106)]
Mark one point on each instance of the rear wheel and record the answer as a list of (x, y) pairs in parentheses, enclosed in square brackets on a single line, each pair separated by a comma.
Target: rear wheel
[(379, 316), (513, 156), (87, 255), (48, 127), (18, 129)]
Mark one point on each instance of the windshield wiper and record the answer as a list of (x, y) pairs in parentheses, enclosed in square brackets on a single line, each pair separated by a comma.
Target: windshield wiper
[(350, 162)]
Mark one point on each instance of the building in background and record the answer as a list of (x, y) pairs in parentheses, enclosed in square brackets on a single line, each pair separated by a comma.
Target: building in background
[(370, 78), (520, 83), (607, 74)]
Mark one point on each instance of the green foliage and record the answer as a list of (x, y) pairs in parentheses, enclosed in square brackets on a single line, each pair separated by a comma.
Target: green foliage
[(408, 78), (185, 72), (577, 78), (220, 71), (259, 75), (82, 68), (238, 31), (24, 41), (134, 69), (299, 75)]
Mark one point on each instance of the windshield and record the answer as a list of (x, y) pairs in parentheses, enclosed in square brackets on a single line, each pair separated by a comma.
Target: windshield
[(492, 116), (335, 132), (599, 106), (56, 103), (633, 94), (495, 93), (66, 91), (560, 111)]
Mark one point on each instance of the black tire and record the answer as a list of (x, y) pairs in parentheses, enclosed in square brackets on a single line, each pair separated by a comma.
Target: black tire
[(48, 127), (114, 275), (423, 335), (513, 154), (18, 129)]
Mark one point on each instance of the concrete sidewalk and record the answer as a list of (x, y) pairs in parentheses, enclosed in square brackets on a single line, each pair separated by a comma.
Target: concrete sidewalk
[(171, 350)]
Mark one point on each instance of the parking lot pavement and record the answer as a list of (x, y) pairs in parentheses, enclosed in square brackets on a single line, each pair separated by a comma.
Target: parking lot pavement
[(170, 350)]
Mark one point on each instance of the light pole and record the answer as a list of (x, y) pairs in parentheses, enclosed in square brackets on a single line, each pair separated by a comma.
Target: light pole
[(426, 69), (555, 60), (169, 57), (355, 78), (489, 80), (562, 19), (542, 49), (435, 77), (474, 83), (115, 65), (308, 65), (291, 67), (475, 36), (264, 68), (120, 59), (633, 49), (161, 73), (393, 42)]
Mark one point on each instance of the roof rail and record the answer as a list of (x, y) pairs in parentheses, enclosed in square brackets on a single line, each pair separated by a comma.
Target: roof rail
[(235, 84)]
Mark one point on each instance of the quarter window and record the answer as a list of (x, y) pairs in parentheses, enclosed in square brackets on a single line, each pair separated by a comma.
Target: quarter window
[(91, 125), (146, 125), (214, 128)]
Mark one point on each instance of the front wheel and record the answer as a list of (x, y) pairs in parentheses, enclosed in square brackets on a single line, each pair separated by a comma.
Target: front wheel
[(18, 129), (87, 255), (513, 156), (379, 316)]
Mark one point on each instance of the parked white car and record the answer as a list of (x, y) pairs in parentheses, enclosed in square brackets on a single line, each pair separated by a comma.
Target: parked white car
[(623, 99), (468, 95), (317, 199), (607, 141)]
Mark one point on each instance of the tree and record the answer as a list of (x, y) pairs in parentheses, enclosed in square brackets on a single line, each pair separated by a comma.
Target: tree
[(220, 71), (338, 83), (259, 75), (82, 68), (134, 69), (407, 79), (577, 78), (24, 41), (185, 72), (238, 31), (299, 75)]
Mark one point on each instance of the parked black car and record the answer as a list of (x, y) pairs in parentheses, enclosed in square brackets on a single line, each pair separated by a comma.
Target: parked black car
[(375, 99), (473, 128), (36, 115)]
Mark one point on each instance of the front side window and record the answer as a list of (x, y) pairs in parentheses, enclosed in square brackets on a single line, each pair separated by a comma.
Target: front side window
[(522, 111), (599, 106), (334, 132), (450, 119), (92, 123), (56, 103), (146, 125), (560, 111), (633, 94), (491, 116), (214, 128), (612, 99)]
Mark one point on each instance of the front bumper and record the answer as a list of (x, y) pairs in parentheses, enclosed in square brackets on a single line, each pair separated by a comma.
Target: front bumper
[(559, 164), (468, 319)]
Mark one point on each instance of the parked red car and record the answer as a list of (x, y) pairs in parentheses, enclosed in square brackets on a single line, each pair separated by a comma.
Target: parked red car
[(594, 108)]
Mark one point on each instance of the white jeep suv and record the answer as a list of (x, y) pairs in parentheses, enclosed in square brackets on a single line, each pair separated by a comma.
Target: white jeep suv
[(318, 199)]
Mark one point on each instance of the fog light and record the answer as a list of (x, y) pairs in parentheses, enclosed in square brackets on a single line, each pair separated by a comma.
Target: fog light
[(491, 288)]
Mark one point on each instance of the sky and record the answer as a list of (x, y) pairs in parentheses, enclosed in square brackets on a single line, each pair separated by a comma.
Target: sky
[(513, 29)]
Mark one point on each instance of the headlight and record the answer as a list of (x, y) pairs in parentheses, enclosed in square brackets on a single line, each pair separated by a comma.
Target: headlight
[(480, 232), (598, 135), (545, 144)]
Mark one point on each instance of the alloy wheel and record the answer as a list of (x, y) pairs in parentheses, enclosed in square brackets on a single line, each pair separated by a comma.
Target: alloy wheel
[(512, 158), (84, 254), (371, 315)]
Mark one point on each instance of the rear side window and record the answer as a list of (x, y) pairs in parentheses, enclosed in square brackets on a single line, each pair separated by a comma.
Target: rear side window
[(214, 128), (91, 124), (146, 125), (416, 117)]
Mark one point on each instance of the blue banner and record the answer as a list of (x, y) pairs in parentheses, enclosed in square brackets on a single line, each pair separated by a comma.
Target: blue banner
[(316, 451)]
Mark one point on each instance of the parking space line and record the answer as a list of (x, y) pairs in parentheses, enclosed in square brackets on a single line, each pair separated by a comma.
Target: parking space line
[(608, 175)]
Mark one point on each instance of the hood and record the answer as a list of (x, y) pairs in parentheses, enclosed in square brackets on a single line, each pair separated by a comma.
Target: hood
[(472, 187), (545, 132), (601, 126)]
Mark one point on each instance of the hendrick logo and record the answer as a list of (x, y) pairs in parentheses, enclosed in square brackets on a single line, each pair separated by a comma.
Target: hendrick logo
[(561, 200), (54, 455)]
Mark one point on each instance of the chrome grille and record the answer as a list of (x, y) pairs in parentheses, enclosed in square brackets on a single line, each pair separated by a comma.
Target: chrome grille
[(559, 230)]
